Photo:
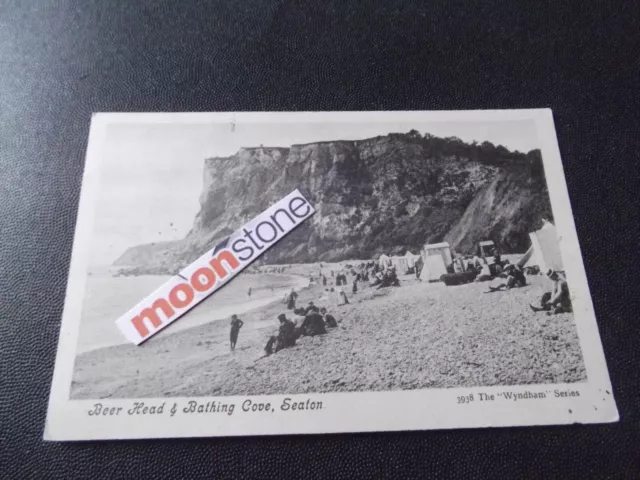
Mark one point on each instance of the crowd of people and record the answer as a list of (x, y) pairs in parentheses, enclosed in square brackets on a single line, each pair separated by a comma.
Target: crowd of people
[(316, 321), (514, 276), (485, 268), (557, 300), (385, 277)]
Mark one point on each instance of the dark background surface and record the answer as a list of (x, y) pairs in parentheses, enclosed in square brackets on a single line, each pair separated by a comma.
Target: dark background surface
[(62, 60)]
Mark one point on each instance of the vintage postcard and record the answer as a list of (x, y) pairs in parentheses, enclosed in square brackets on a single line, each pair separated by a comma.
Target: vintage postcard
[(432, 279)]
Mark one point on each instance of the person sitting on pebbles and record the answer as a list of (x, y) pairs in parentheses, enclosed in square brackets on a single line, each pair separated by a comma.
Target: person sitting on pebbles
[(558, 299), (286, 336), (342, 296), (485, 273), (515, 278), (311, 308), (329, 319), (313, 324)]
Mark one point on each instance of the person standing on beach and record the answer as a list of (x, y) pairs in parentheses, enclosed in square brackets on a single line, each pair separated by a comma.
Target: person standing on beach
[(249, 292), (354, 289), (343, 296), (236, 325), (291, 302)]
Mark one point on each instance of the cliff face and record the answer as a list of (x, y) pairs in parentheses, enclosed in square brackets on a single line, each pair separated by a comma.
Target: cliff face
[(384, 194)]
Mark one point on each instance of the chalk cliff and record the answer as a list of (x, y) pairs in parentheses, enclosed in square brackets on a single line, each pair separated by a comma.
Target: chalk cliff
[(384, 194)]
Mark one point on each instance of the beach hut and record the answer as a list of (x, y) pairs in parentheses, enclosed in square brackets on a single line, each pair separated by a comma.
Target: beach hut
[(433, 268), (400, 263), (384, 260), (485, 248), (441, 249), (411, 259), (544, 251)]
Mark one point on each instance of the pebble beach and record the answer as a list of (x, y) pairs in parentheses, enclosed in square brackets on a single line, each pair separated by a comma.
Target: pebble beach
[(416, 336)]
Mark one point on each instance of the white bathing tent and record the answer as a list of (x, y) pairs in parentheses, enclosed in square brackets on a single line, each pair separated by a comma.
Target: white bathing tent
[(433, 268), (544, 251), (441, 249), (436, 257), (384, 260), (411, 258), (400, 263)]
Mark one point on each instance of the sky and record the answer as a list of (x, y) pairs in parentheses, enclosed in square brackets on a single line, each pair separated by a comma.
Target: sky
[(151, 174)]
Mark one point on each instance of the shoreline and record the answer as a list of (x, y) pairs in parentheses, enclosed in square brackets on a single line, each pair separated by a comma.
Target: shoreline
[(239, 308), (210, 340), (409, 337)]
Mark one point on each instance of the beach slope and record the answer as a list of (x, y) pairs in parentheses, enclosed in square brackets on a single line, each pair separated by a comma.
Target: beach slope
[(397, 338)]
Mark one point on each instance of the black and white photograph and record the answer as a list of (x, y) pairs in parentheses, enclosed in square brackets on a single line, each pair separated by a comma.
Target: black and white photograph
[(433, 260)]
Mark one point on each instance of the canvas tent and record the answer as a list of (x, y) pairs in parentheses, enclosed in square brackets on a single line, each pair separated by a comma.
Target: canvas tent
[(485, 247), (544, 251), (383, 260), (433, 268), (400, 264), (441, 249), (436, 257), (411, 258)]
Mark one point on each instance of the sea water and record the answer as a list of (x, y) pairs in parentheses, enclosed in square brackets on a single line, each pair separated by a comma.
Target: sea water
[(107, 297)]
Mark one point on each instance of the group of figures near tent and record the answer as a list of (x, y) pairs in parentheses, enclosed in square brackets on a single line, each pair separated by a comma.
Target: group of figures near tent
[(437, 262), (402, 263)]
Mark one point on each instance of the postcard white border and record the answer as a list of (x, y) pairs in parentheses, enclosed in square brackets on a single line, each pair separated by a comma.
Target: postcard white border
[(341, 412)]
